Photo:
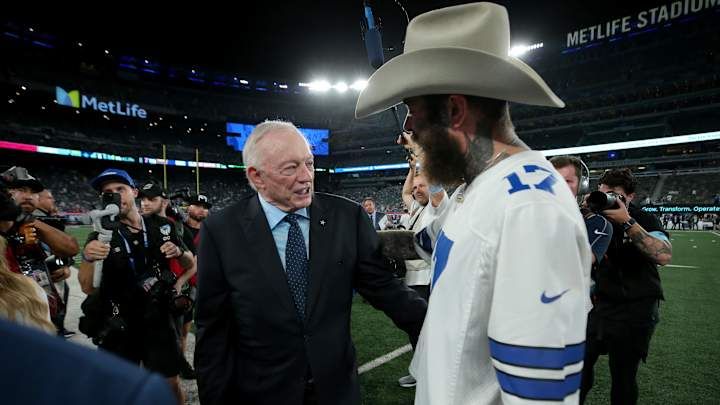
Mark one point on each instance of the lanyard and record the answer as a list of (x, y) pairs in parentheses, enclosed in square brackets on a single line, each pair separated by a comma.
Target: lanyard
[(417, 216), (127, 245)]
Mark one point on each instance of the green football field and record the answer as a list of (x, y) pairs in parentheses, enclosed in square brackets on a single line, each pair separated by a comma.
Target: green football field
[(684, 362)]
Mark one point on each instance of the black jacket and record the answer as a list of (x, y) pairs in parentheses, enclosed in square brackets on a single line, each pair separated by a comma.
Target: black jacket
[(252, 348), (627, 274)]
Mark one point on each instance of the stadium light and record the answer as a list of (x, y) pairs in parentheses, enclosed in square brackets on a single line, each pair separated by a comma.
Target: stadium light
[(519, 50), (359, 85), (341, 87), (319, 85)]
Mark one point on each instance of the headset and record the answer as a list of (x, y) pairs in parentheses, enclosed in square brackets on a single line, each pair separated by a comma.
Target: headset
[(584, 184)]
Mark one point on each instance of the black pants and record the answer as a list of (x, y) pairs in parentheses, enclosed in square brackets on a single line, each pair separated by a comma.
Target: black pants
[(310, 397), (422, 290), (626, 344)]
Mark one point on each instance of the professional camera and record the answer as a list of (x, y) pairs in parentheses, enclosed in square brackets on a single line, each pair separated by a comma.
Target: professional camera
[(177, 199), (112, 331), (599, 201), (163, 294), (56, 263)]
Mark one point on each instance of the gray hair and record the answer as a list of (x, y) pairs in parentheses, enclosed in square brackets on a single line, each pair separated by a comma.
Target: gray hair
[(250, 153)]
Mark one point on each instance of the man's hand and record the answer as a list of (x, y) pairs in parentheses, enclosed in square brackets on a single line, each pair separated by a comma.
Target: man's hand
[(60, 274), (618, 215), (96, 250), (170, 250), (405, 140)]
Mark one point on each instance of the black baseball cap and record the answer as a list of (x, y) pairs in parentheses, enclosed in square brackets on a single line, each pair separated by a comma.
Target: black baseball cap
[(18, 177), (199, 199), (152, 190)]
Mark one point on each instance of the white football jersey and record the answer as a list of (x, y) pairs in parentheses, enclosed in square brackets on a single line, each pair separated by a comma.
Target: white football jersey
[(510, 280), (418, 270)]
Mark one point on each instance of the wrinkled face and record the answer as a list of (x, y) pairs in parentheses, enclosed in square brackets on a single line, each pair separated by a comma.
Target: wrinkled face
[(25, 198), (153, 205), (46, 202), (286, 172), (442, 155), (127, 196), (570, 175), (420, 190), (369, 206), (197, 212)]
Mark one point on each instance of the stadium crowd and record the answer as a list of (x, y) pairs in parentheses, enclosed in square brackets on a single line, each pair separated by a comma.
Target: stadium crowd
[(147, 276)]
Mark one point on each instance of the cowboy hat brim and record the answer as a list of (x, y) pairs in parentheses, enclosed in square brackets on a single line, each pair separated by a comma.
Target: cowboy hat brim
[(453, 70)]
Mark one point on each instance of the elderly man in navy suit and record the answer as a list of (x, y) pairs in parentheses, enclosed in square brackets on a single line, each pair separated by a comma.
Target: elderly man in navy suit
[(277, 270)]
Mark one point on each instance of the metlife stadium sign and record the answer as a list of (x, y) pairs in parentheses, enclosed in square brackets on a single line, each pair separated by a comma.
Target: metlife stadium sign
[(75, 100), (642, 20)]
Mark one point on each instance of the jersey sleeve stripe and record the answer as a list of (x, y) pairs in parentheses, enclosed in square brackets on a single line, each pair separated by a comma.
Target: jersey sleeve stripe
[(539, 389), (537, 357)]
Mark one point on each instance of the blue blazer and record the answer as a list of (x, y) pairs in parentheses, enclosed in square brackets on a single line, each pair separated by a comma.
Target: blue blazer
[(44, 369)]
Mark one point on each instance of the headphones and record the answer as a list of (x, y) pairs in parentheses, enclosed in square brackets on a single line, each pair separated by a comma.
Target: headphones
[(584, 184)]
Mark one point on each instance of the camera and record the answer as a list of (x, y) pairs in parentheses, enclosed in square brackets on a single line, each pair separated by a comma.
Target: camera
[(56, 263), (599, 201), (163, 294), (112, 331)]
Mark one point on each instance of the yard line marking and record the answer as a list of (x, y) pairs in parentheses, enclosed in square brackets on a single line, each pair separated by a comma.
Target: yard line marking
[(679, 266), (715, 233), (384, 359)]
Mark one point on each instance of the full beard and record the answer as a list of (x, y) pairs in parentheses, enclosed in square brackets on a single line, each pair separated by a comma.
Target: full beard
[(442, 160), (196, 218)]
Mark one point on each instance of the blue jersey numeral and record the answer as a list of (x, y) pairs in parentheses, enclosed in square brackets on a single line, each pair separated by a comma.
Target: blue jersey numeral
[(545, 184), (442, 252)]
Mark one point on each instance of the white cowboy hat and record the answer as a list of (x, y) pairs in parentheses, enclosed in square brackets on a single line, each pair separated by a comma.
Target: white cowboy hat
[(456, 50)]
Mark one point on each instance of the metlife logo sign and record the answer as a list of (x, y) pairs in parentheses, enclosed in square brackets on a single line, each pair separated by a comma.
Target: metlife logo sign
[(75, 100)]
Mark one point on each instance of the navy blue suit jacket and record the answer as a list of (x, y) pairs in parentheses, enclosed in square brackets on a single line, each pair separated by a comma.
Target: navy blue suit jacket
[(43, 369), (252, 349)]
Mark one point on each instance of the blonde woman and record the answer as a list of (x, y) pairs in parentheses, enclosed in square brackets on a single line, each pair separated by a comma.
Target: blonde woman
[(21, 299)]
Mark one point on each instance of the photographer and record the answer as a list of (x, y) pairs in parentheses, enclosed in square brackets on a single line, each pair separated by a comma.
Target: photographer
[(25, 191), (154, 201), (628, 288), (198, 211), (46, 210), (131, 314), (38, 248), (599, 230), (426, 204)]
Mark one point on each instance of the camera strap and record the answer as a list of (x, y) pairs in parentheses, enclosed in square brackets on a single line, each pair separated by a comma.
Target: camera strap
[(131, 259)]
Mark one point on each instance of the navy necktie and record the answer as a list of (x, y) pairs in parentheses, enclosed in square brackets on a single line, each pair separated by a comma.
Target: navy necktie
[(296, 264)]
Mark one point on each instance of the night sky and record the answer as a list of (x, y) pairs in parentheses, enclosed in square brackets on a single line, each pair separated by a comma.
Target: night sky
[(297, 40)]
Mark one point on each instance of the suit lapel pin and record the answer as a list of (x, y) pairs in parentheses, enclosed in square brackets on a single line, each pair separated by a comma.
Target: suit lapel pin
[(323, 222)]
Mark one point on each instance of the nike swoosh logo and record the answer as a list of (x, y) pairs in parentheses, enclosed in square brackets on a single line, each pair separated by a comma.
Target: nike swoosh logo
[(546, 300), (600, 233)]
